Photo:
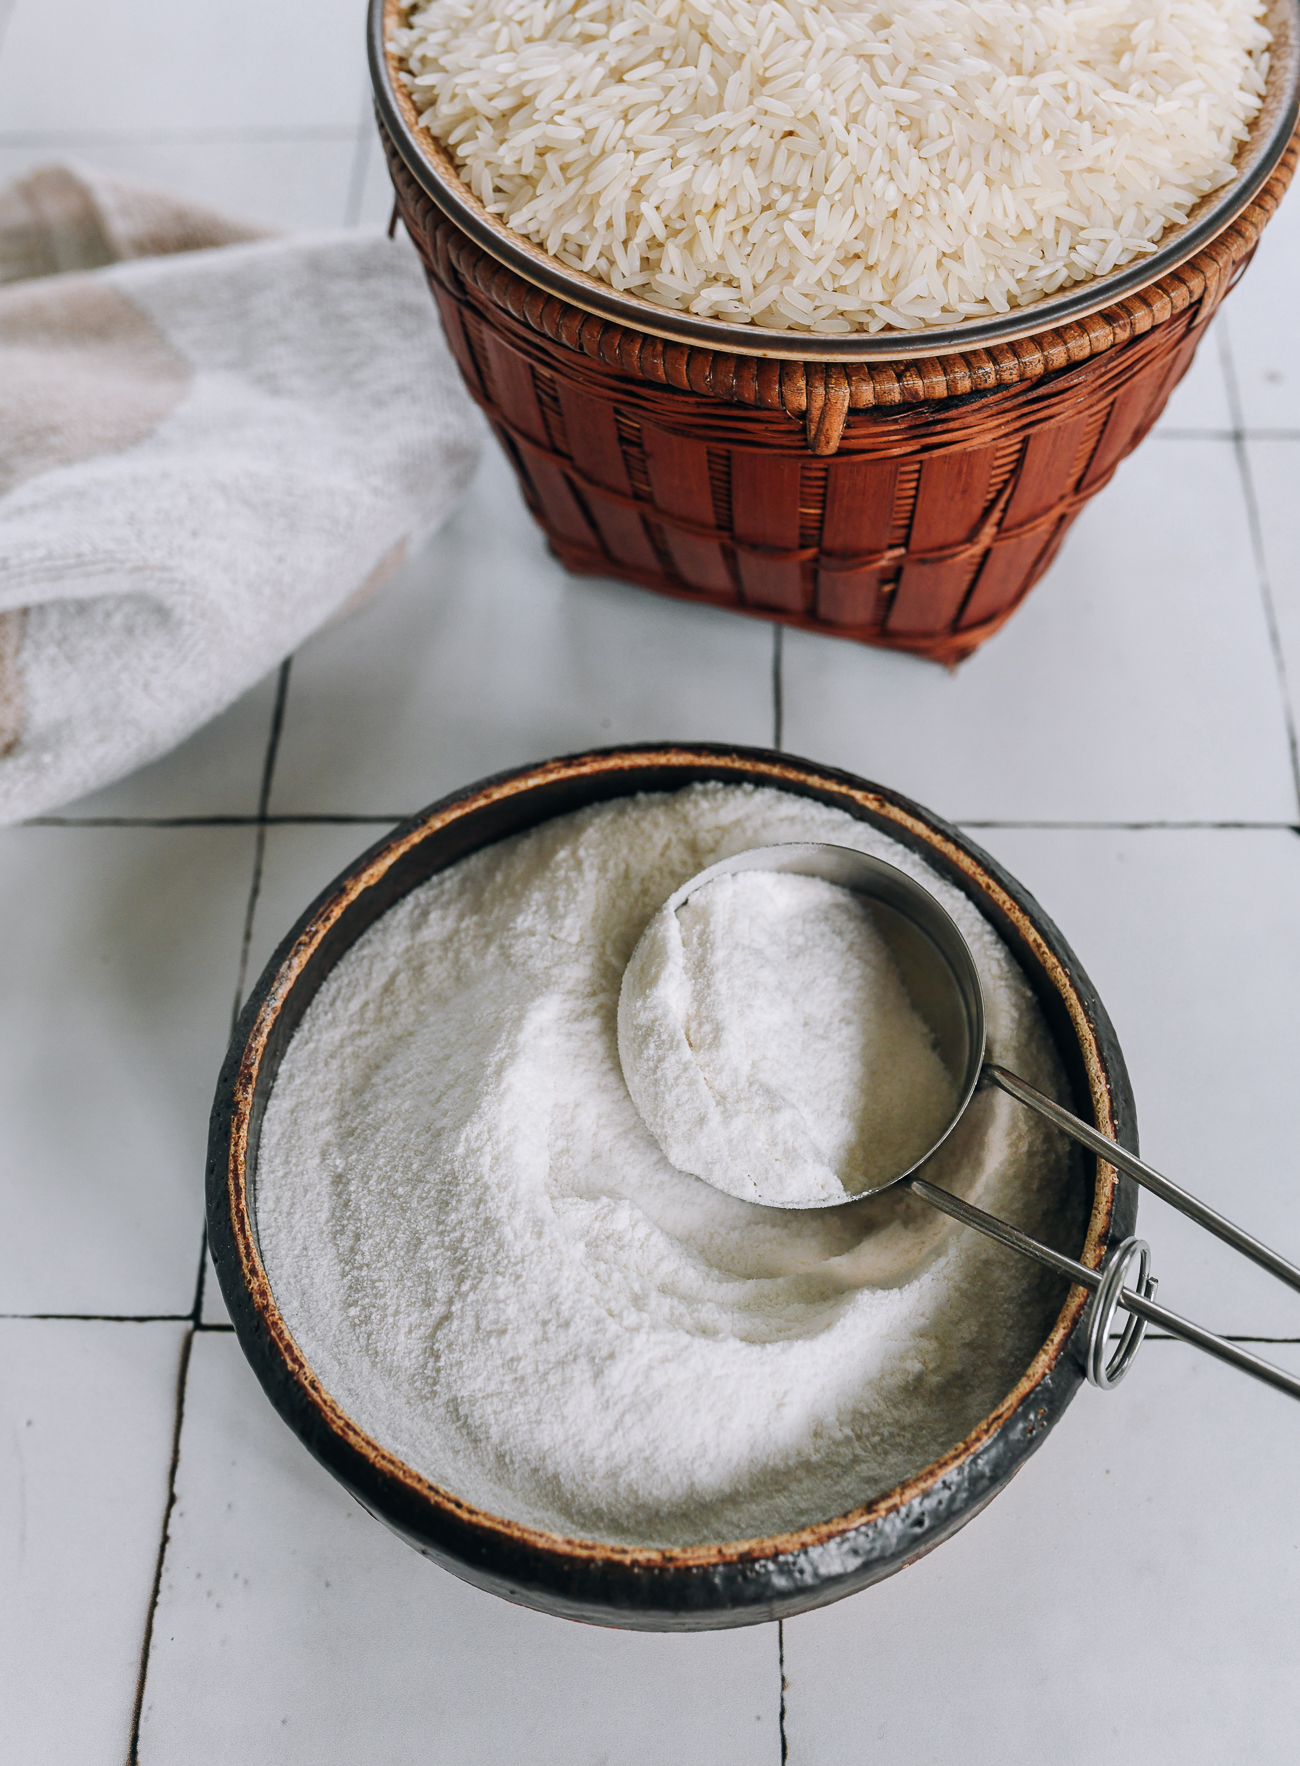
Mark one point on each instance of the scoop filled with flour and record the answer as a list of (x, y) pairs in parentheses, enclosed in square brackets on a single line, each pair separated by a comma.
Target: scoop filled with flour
[(769, 1042), (491, 1265)]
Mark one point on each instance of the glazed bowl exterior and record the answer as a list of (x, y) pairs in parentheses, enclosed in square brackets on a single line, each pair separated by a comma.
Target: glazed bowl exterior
[(704, 1586)]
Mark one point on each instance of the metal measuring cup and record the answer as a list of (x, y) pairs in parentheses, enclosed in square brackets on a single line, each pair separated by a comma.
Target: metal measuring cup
[(939, 973)]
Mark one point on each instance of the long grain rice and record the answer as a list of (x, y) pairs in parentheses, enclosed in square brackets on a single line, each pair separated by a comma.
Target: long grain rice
[(839, 166)]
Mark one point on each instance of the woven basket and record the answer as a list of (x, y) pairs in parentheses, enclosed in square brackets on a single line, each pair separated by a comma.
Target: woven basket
[(909, 505)]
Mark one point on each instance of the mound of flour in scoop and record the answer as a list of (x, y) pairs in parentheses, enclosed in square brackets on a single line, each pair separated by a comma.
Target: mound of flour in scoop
[(768, 1040), (491, 1266)]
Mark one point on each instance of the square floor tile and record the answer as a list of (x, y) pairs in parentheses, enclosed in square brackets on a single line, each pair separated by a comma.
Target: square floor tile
[(118, 978), (150, 66), (1192, 938), (292, 1626), (1136, 683), (1200, 400), (87, 1413), (1275, 474), (1134, 1594), (484, 654), (287, 185), (1260, 318)]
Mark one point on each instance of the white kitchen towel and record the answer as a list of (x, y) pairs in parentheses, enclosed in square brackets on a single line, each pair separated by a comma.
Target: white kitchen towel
[(203, 456)]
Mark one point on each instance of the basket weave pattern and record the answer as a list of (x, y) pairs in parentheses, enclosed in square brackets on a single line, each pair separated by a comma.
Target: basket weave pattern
[(911, 506)]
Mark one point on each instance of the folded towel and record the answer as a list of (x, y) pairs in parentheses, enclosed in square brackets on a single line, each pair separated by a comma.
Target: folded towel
[(203, 456)]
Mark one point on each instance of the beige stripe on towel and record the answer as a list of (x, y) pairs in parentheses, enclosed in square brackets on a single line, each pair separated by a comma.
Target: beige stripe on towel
[(58, 219), (83, 372), (11, 681)]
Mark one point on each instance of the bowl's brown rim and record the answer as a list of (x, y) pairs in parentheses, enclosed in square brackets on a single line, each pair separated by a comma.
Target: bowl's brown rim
[(434, 170), (758, 766)]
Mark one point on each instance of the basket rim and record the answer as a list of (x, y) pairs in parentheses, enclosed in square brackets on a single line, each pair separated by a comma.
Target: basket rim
[(431, 166)]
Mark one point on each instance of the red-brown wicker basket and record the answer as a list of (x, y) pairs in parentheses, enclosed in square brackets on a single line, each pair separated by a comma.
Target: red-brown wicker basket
[(910, 503)]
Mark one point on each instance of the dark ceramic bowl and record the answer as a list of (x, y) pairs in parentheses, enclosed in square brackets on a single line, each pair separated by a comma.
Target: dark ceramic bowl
[(705, 1586)]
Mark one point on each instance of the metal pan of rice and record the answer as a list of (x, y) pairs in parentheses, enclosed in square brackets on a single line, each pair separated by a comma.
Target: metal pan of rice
[(839, 167)]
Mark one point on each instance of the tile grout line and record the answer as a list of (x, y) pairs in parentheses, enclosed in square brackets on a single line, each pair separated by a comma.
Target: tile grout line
[(780, 1662), (1257, 546), (1137, 827), (306, 818), (266, 135), (201, 1327), (360, 165), (390, 818), (200, 1280), (184, 1318), (1225, 435), (137, 1712), (195, 1320), (778, 687), (259, 848), (98, 1317), (255, 887)]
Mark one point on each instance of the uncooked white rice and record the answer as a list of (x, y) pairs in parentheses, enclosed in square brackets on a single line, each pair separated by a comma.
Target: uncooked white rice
[(839, 166)]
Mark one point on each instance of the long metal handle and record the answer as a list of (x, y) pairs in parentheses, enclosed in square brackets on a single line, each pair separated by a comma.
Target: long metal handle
[(1138, 1304), (1002, 1231), (1232, 1353), (1114, 1154)]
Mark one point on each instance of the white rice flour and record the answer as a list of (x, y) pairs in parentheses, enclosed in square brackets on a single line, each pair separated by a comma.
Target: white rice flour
[(490, 1264)]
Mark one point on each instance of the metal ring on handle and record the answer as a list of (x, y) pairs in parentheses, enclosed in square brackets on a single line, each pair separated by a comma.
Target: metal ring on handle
[(1105, 1301)]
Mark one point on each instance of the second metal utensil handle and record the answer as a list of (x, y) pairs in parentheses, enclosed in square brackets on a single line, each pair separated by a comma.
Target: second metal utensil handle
[(1141, 1305), (1114, 1154)]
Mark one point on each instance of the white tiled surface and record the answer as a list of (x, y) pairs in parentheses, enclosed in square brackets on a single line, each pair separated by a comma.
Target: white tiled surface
[(452, 673), (1265, 350), (345, 1645), (1137, 682), (1192, 938), (87, 1414), (1134, 1595), (1275, 480), (117, 978), (226, 65), (1137, 1587)]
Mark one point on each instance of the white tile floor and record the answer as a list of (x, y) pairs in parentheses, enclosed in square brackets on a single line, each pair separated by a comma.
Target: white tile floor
[(1126, 746)]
